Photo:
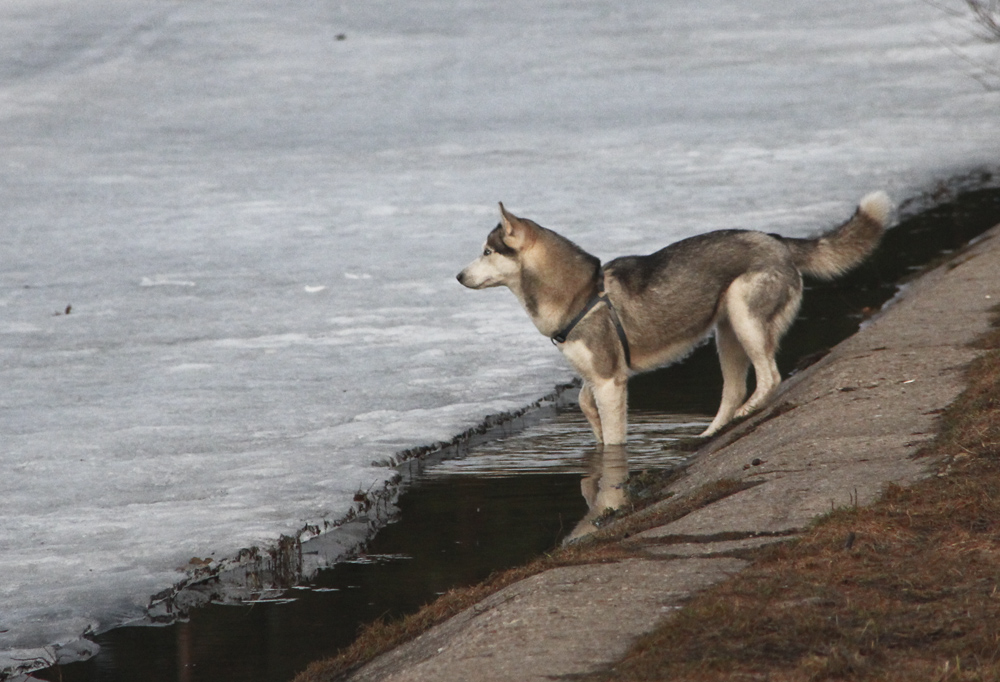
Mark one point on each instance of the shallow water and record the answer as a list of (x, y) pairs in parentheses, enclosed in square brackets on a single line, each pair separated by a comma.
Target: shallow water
[(502, 501)]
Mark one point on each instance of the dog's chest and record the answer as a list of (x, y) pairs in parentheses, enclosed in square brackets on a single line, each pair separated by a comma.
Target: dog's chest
[(579, 355)]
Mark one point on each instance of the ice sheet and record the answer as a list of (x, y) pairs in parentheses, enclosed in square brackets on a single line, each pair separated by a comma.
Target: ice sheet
[(230, 232)]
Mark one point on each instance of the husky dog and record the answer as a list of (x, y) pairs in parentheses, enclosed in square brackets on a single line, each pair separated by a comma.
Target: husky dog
[(637, 313)]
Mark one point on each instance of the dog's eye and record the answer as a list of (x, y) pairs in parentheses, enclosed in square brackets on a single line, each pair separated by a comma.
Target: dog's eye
[(487, 251)]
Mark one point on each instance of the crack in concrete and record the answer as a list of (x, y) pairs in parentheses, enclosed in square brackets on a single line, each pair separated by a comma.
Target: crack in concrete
[(724, 536)]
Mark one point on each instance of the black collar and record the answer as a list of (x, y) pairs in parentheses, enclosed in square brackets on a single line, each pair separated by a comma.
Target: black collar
[(600, 297)]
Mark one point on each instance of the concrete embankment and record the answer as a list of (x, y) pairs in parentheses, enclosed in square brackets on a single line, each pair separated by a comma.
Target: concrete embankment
[(835, 436)]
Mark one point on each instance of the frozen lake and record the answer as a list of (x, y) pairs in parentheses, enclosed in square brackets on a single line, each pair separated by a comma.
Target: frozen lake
[(230, 232)]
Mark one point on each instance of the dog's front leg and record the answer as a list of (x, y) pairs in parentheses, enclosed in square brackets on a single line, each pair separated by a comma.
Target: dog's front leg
[(611, 396), (589, 408), (603, 398)]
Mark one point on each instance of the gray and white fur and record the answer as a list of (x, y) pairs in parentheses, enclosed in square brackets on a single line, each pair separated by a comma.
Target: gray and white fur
[(746, 286)]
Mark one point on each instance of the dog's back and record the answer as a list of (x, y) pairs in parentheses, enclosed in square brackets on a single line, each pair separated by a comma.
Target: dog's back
[(671, 299)]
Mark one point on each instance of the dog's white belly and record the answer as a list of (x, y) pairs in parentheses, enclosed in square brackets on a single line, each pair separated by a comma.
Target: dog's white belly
[(666, 355)]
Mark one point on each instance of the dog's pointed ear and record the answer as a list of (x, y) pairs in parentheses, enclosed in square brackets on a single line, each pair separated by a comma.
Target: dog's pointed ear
[(507, 220), (515, 231)]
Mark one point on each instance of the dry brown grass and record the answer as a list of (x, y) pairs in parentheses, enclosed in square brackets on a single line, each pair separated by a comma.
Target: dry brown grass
[(907, 589)]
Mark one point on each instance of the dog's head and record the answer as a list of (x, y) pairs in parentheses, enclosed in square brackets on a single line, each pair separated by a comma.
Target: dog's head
[(500, 263)]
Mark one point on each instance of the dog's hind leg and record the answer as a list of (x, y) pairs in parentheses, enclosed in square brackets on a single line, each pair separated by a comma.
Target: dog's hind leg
[(735, 363), (589, 408), (760, 307), (611, 397), (765, 368)]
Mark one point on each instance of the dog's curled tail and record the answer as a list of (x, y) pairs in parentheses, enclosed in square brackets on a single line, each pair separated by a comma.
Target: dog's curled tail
[(847, 246)]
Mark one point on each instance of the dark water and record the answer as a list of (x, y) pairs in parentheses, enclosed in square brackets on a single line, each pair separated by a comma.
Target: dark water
[(455, 527), (455, 530)]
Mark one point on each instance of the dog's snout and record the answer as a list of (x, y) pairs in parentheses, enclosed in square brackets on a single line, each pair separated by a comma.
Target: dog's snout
[(461, 277)]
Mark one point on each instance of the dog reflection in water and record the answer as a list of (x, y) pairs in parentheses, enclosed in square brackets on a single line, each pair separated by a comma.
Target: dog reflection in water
[(603, 487)]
